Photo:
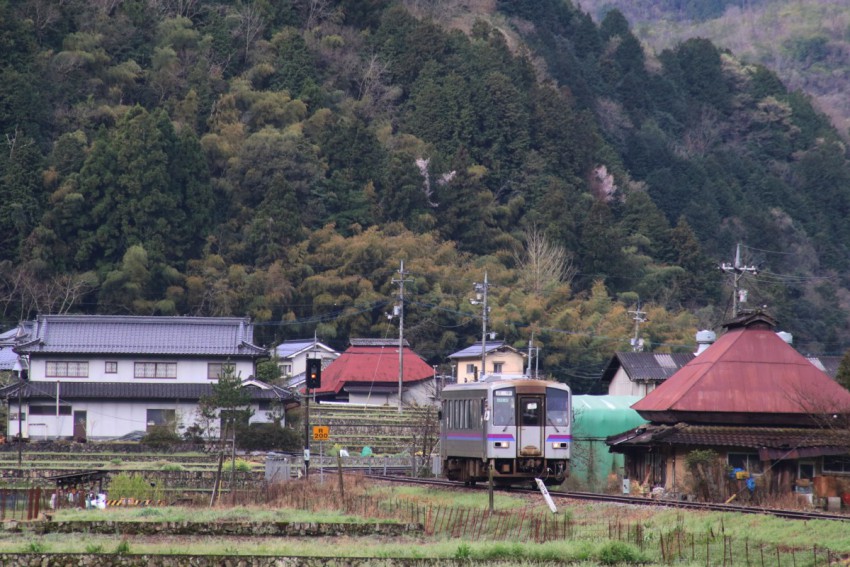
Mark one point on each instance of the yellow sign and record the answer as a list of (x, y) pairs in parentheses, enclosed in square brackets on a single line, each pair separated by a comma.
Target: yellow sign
[(321, 432)]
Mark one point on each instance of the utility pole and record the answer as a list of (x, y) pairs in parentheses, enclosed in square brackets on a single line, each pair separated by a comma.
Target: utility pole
[(481, 298), (738, 269), (530, 350), (639, 317), (400, 281)]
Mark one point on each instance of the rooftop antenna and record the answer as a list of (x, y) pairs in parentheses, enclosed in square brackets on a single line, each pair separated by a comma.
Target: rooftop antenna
[(738, 269)]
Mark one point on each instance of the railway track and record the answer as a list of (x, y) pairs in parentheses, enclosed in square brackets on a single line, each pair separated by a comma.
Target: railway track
[(631, 500)]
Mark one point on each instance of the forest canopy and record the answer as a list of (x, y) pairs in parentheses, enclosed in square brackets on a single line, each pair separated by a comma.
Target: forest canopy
[(280, 160)]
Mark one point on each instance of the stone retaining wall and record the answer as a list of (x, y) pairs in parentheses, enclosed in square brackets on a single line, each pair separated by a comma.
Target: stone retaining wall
[(240, 529)]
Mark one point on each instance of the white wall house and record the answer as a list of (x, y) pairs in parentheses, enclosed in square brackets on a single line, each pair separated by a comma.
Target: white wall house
[(100, 377), (500, 359)]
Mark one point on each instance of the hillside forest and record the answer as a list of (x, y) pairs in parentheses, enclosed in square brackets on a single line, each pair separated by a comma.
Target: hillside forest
[(282, 160), (806, 42)]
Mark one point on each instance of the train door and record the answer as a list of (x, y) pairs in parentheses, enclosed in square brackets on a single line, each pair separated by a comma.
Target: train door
[(530, 430)]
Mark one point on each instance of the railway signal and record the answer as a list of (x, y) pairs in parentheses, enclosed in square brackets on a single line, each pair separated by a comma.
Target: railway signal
[(314, 372)]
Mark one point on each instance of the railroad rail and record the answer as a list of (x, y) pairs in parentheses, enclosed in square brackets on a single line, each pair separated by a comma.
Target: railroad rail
[(631, 500)]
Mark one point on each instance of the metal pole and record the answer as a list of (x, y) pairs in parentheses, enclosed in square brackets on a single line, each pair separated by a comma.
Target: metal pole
[(306, 431), (484, 332), (20, 429)]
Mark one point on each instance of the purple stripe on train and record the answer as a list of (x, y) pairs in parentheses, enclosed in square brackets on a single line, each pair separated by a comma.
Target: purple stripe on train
[(500, 437), (554, 437)]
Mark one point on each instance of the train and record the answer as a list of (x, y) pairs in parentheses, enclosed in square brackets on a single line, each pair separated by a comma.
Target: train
[(521, 427)]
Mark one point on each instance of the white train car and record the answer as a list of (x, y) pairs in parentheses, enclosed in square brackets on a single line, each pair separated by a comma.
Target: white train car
[(521, 427)]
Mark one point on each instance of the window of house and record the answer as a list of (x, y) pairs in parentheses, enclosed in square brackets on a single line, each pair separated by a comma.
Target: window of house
[(111, 367), (498, 367), (50, 410), (745, 461), (214, 369), (286, 369), (67, 369), (834, 464), (470, 369), (161, 417), (806, 469), (155, 370)]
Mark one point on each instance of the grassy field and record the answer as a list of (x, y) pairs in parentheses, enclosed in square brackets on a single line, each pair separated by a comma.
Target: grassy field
[(521, 531)]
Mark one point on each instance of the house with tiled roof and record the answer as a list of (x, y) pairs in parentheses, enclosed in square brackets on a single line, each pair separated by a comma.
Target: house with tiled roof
[(292, 358), (764, 408), (368, 371), (500, 358), (638, 373), (98, 377)]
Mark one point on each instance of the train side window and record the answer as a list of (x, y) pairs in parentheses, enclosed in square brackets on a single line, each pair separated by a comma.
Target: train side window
[(504, 408)]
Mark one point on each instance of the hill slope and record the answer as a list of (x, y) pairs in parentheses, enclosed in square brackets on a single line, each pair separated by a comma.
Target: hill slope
[(281, 161)]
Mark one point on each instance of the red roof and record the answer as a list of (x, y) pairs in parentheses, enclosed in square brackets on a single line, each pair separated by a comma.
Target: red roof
[(373, 364), (750, 376)]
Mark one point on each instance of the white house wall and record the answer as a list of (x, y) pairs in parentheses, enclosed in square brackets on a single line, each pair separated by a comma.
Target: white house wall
[(188, 371), (110, 420), (419, 394), (622, 385)]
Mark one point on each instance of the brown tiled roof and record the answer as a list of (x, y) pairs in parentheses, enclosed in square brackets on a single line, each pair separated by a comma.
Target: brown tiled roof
[(771, 442), (749, 376)]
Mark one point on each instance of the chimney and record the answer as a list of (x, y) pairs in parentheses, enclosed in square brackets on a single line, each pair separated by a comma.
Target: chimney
[(705, 339)]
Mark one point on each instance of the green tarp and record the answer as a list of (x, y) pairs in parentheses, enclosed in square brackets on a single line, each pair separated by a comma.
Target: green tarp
[(592, 467)]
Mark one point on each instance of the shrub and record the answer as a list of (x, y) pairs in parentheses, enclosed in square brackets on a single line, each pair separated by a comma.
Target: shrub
[(160, 436), (241, 466), (123, 547), (614, 552), (463, 551), (268, 437), (135, 486)]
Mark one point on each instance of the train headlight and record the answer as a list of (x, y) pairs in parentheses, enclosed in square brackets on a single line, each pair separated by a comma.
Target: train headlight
[(502, 444), (560, 445)]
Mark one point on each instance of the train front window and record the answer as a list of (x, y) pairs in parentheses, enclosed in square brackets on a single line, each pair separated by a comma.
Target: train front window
[(530, 411), (503, 407), (557, 407)]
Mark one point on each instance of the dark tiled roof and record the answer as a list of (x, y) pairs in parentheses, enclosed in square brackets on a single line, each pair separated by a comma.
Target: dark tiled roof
[(378, 342), (828, 364), (130, 391), (773, 442), (475, 350), (291, 348), (111, 334), (646, 366)]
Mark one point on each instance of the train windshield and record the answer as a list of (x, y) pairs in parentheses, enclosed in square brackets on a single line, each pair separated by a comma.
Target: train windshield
[(557, 406), (504, 407)]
